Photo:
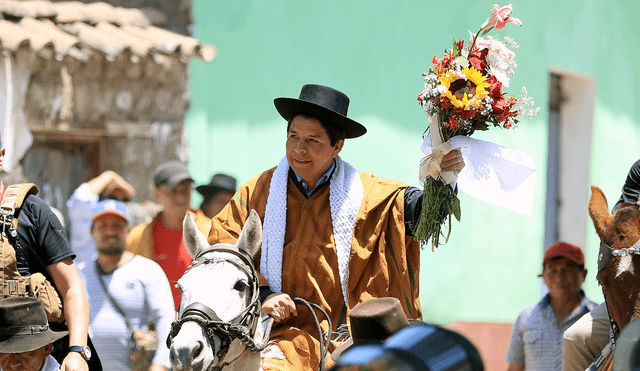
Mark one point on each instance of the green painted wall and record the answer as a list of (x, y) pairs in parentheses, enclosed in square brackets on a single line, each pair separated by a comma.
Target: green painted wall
[(375, 52)]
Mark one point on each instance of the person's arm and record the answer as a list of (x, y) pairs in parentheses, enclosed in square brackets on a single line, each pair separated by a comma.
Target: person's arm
[(111, 184), (515, 357), (631, 187), (76, 310), (162, 313)]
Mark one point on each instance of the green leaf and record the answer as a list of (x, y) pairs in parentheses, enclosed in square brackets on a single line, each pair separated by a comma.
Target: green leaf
[(456, 208)]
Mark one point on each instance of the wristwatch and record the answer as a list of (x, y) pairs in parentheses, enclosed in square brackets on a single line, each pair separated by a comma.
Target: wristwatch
[(84, 351)]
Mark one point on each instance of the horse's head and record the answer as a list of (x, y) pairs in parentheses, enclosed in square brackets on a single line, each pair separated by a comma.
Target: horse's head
[(219, 308), (618, 259)]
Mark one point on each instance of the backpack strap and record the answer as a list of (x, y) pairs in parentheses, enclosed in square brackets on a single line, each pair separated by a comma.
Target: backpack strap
[(11, 283), (15, 194)]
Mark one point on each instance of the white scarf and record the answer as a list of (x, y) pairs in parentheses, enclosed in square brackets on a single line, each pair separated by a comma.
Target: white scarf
[(345, 197)]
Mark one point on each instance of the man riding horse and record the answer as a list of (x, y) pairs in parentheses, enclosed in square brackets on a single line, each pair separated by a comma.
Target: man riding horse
[(332, 235)]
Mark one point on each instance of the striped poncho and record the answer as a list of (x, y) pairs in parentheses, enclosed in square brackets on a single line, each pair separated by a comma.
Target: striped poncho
[(384, 261)]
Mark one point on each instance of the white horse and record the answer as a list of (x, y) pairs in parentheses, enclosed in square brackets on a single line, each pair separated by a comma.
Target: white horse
[(220, 323)]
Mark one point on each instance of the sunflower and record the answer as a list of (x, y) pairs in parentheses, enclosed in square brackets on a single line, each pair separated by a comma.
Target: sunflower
[(467, 91)]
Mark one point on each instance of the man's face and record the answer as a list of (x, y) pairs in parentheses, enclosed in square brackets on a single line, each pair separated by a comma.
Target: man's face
[(217, 202), (563, 278), (27, 361), (109, 232), (309, 149), (175, 201)]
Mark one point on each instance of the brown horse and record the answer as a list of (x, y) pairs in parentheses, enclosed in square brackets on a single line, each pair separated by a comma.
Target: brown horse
[(618, 259)]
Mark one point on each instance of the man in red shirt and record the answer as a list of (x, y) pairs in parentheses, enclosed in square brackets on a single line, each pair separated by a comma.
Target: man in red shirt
[(161, 240)]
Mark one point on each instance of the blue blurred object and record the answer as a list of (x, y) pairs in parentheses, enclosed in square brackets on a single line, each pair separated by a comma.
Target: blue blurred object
[(626, 356), (419, 347)]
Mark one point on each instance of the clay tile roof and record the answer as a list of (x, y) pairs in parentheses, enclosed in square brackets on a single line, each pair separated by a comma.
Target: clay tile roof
[(76, 30)]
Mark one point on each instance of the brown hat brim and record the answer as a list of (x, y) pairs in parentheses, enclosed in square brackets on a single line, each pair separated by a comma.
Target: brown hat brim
[(28, 343), (288, 107), (335, 355)]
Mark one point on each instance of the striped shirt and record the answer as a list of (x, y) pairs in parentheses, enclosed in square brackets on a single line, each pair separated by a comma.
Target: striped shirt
[(536, 338), (141, 289)]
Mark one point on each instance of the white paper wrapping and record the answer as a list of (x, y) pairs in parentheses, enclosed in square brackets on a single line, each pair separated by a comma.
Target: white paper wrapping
[(493, 173)]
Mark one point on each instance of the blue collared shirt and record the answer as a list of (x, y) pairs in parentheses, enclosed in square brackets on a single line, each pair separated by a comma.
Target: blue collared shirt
[(325, 178), (536, 338)]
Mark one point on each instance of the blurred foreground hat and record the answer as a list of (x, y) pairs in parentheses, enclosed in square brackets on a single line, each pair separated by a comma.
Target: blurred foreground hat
[(565, 250), (420, 347), (373, 321), (171, 174), (324, 103), (111, 207), (24, 326), (218, 182)]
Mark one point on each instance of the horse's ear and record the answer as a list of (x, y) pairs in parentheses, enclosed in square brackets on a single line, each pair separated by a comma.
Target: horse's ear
[(193, 238), (599, 210), (250, 238)]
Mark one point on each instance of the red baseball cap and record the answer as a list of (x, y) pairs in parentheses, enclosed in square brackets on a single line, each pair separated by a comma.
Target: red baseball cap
[(565, 250)]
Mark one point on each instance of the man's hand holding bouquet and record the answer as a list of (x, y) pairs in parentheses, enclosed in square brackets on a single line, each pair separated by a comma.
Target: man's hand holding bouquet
[(463, 92)]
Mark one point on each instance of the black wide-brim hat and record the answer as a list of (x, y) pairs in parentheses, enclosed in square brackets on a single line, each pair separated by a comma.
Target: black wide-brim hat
[(324, 103), (24, 326), (218, 182)]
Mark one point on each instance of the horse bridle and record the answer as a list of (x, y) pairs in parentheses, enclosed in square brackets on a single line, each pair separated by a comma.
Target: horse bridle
[(242, 327), (604, 256)]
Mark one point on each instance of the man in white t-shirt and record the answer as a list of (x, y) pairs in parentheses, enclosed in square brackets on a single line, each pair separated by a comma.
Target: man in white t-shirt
[(137, 285)]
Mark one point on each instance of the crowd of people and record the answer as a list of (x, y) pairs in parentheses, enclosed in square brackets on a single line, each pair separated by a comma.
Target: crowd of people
[(114, 278)]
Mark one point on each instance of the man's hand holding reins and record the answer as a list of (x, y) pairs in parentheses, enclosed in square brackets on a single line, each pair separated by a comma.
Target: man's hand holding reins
[(279, 306)]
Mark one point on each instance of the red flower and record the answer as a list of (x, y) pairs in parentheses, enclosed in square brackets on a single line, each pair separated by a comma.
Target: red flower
[(445, 103), (478, 59), (420, 97), (495, 92), (465, 115), (460, 45), (452, 124), (434, 60)]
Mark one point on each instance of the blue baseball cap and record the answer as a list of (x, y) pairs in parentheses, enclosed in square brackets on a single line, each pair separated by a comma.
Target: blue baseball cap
[(111, 207)]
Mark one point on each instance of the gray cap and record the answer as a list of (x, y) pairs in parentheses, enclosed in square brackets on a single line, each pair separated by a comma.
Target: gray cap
[(171, 174)]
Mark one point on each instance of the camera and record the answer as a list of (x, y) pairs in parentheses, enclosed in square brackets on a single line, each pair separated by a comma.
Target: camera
[(422, 346)]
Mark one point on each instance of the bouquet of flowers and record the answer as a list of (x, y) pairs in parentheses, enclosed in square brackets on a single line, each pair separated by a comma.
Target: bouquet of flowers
[(463, 92)]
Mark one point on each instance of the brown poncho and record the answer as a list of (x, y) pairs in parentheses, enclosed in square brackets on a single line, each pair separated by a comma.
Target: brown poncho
[(384, 261)]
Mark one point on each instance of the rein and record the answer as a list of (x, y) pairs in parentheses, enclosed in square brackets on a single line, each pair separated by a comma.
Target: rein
[(242, 327), (324, 349)]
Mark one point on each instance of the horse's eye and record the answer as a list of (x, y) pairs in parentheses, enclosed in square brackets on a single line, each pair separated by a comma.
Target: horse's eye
[(240, 286)]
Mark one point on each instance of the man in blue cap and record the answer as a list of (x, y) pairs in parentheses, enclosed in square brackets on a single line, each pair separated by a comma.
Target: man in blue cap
[(120, 284)]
